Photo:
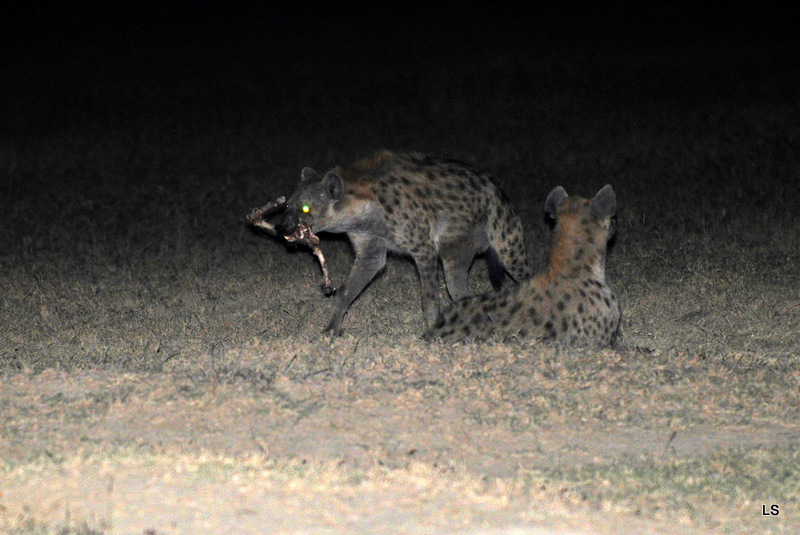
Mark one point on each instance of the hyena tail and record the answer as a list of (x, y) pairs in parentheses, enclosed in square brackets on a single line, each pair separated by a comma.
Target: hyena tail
[(496, 269), (507, 239)]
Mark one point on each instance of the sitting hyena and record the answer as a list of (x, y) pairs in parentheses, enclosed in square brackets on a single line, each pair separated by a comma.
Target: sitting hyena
[(410, 203), (569, 303)]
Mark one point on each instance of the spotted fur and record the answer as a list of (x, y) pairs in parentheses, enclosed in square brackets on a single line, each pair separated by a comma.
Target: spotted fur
[(414, 204), (570, 302)]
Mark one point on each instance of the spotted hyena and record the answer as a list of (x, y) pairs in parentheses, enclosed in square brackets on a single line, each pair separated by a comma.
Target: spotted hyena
[(426, 207), (569, 303)]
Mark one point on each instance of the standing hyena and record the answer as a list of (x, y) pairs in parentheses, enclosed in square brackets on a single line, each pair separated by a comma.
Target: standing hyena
[(410, 203), (570, 302)]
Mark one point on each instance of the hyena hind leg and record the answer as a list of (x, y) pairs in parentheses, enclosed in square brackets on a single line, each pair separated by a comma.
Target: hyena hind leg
[(456, 261), (495, 268), (428, 268)]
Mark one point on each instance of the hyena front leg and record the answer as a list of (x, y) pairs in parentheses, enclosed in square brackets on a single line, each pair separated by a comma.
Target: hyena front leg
[(370, 258)]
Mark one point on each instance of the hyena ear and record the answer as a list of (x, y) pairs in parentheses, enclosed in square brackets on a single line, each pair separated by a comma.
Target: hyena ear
[(604, 203), (308, 174), (554, 200), (334, 185)]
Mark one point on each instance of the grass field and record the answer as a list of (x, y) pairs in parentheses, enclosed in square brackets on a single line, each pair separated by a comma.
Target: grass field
[(145, 328)]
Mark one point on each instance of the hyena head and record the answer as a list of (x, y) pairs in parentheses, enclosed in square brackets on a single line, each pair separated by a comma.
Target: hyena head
[(594, 216), (311, 203)]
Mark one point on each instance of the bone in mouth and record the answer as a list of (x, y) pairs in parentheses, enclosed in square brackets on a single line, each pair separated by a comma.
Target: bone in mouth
[(302, 235), (257, 215)]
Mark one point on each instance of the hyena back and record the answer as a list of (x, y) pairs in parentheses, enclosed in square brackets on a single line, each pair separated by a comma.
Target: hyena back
[(570, 302), (414, 204)]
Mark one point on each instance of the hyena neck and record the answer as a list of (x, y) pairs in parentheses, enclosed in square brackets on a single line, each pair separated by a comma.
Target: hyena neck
[(352, 214), (575, 254)]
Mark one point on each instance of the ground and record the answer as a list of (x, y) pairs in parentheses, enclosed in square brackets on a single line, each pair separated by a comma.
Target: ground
[(162, 368), (359, 438)]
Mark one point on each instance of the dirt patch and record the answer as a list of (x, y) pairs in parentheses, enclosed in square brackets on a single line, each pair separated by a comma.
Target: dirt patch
[(387, 446)]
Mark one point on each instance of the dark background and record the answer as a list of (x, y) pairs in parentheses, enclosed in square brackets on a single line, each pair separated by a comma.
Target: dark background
[(64, 61), (208, 110)]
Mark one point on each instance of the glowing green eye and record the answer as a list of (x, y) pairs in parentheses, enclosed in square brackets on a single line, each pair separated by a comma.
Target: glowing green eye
[(306, 208)]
